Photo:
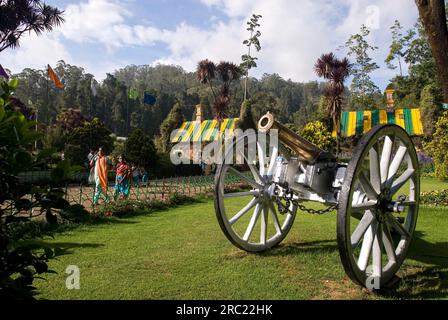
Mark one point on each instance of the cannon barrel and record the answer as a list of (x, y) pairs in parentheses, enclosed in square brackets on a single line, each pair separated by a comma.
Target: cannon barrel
[(305, 150)]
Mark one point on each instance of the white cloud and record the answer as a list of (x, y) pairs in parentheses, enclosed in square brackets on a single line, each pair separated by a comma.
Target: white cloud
[(294, 33), (35, 52)]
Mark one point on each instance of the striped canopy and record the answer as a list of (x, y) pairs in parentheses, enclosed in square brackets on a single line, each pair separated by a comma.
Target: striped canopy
[(194, 131), (360, 122)]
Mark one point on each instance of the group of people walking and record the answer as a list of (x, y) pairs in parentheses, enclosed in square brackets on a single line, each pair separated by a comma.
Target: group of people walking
[(126, 174)]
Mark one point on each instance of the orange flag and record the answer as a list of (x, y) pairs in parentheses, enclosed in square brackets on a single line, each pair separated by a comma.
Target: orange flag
[(54, 77)]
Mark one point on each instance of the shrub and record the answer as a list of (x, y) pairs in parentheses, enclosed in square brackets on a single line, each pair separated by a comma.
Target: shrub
[(438, 146), (140, 150), (316, 132), (246, 118), (429, 108), (435, 197)]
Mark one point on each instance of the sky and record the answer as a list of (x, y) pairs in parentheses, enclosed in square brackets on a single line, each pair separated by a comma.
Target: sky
[(106, 35)]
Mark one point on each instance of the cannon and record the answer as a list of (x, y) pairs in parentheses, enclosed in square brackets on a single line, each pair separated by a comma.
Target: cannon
[(376, 194)]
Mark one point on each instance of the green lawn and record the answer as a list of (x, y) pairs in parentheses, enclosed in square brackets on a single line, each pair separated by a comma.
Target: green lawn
[(182, 254)]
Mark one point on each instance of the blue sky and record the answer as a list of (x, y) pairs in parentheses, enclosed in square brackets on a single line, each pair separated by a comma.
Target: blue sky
[(104, 35)]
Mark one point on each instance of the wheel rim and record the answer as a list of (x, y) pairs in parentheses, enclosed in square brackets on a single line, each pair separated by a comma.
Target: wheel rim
[(257, 225), (377, 238)]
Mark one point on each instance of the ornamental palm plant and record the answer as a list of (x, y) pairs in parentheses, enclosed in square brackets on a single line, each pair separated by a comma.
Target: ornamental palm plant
[(226, 73), (206, 73), (336, 72)]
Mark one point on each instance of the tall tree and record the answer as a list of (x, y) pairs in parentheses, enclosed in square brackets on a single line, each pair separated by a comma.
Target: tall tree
[(249, 61), (363, 89), (434, 20), (396, 50), (18, 17), (335, 71)]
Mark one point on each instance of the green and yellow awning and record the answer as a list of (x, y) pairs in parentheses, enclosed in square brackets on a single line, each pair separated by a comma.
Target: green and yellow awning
[(360, 122), (207, 130)]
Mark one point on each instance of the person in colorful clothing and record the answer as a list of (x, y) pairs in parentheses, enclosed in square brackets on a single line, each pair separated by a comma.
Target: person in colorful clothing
[(101, 165), (122, 178)]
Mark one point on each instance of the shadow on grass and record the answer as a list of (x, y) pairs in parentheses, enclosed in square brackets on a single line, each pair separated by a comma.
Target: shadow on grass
[(291, 248), (64, 248), (428, 280)]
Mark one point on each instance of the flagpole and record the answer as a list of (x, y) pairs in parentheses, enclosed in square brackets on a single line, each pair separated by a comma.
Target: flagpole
[(37, 119), (48, 95)]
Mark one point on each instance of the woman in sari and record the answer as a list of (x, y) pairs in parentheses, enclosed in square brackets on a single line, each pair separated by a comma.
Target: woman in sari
[(101, 164), (122, 178)]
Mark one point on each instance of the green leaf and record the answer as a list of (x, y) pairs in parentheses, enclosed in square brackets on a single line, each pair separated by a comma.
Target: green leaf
[(46, 153), (13, 84), (2, 109)]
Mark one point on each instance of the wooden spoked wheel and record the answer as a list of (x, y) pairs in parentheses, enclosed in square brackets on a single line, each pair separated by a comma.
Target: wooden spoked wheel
[(250, 218), (378, 206)]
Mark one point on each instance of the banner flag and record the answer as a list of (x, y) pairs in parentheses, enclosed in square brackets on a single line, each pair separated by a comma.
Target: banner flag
[(54, 77)]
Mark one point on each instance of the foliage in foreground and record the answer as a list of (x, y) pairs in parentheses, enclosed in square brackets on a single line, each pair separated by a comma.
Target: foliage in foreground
[(20, 262)]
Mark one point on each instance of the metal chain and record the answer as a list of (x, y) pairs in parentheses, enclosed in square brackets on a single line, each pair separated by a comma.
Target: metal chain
[(288, 197)]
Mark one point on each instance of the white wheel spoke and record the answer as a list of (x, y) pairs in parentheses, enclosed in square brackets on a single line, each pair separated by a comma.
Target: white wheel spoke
[(253, 169), (261, 159), (272, 161), (252, 223), (264, 225), (375, 173), (401, 180), (274, 216), (245, 178), (398, 226), (243, 211), (366, 247), (242, 194), (377, 253), (367, 186), (361, 228), (395, 164), (361, 207), (388, 243), (385, 158)]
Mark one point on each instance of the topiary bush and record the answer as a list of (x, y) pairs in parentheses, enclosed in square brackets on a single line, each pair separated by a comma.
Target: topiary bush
[(438, 146)]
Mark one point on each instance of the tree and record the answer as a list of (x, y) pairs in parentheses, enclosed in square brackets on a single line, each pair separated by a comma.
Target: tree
[(396, 50), (140, 149), (71, 119), (421, 67), (434, 20), (249, 61), (335, 71), (18, 17), (91, 135), (363, 90)]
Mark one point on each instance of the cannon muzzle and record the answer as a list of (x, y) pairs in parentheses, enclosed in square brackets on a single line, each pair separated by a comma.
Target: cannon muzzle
[(305, 150)]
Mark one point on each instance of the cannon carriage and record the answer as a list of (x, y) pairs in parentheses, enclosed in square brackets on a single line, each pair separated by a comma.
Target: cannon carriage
[(376, 195)]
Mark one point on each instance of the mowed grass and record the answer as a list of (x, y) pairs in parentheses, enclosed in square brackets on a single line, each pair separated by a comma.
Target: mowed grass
[(182, 254)]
